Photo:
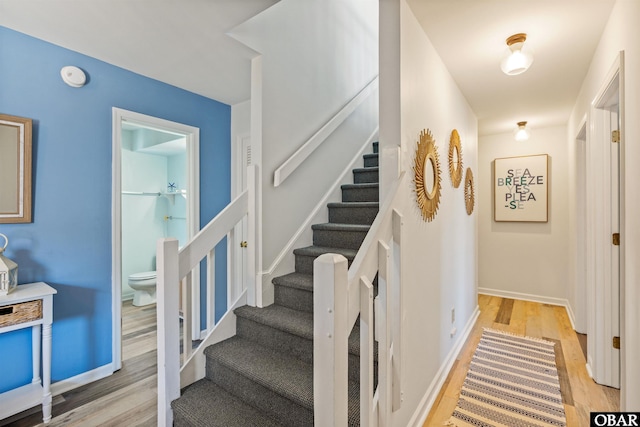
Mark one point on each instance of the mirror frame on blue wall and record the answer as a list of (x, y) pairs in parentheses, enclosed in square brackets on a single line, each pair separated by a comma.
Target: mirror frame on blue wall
[(15, 169)]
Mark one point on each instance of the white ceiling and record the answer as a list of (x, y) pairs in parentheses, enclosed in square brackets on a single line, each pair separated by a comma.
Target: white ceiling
[(470, 37), (184, 43), (180, 42)]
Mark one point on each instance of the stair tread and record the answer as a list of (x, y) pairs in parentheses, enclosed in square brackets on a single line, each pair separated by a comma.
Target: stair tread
[(341, 226), (321, 250), (295, 280), (204, 403), (295, 322), (371, 155), (277, 371)]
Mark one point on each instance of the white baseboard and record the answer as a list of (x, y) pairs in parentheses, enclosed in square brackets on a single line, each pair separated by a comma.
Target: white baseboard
[(588, 365), (68, 384), (421, 413), (572, 317), (522, 296)]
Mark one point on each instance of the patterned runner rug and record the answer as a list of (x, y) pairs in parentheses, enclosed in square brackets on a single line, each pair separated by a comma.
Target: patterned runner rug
[(512, 382)]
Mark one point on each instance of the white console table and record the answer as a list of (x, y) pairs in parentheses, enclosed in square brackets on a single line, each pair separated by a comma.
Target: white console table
[(30, 306)]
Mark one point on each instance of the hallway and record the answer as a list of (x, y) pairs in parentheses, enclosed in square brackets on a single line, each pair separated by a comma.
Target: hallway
[(579, 393)]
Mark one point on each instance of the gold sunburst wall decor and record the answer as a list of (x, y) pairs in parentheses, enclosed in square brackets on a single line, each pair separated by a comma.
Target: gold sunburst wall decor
[(426, 170), (455, 159), (469, 194)]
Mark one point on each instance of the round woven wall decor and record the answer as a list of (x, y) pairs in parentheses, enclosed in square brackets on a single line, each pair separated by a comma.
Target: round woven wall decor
[(427, 175), (469, 195), (455, 159)]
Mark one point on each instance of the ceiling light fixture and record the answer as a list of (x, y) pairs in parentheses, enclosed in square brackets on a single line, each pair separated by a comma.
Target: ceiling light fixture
[(521, 133), (518, 57)]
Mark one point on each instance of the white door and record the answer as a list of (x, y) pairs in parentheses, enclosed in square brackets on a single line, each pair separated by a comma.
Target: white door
[(243, 161)]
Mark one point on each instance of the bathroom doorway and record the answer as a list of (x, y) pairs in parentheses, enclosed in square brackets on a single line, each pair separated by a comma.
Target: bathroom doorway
[(155, 195)]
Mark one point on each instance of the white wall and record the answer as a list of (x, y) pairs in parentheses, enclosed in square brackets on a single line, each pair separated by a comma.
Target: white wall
[(439, 257), (622, 33), (177, 207), (316, 56), (522, 259), (142, 216)]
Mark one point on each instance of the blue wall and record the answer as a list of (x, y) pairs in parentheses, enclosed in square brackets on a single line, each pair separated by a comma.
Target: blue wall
[(68, 245)]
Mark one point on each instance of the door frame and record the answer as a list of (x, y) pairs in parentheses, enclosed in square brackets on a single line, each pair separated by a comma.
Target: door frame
[(192, 135), (605, 365)]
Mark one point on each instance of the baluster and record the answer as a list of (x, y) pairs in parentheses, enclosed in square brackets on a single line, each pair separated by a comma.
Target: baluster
[(211, 288), (366, 352)]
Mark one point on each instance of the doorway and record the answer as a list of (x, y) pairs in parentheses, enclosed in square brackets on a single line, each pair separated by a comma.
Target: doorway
[(155, 195), (604, 225)]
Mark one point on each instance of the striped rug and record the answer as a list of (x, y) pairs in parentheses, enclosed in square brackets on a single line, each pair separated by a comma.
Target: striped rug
[(512, 382)]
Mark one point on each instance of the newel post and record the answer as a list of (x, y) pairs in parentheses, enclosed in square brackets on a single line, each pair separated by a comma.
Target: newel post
[(168, 328), (330, 338)]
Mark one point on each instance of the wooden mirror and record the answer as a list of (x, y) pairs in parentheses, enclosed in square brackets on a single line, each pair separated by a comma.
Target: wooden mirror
[(426, 170), (15, 169), (455, 159), (469, 191)]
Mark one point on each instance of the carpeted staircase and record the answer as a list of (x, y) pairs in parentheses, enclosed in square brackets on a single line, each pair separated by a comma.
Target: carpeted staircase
[(263, 376)]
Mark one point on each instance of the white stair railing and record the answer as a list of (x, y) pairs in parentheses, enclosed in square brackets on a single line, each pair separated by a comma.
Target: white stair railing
[(340, 296), (174, 283)]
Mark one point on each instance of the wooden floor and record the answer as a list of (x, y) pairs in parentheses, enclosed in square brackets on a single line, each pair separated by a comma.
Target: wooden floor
[(580, 394), (126, 398), (129, 396)]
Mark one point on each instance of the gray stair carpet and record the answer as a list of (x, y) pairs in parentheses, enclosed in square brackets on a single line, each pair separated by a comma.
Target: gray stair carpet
[(263, 376)]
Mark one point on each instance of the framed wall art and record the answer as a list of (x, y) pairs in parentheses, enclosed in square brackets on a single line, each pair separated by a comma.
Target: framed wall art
[(520, 188), (15, 169)]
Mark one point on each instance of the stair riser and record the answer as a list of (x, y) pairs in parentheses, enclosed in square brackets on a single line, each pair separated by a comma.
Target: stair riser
[(297, 299), (365, 176), (352, 215), (371, 161), (304, 264), (360, 194), (276, 339), (266, 400), (375, 147), (338, 238)]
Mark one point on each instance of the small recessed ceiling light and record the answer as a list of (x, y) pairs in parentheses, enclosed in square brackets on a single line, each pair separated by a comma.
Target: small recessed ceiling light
[(73, 76), (521, 133), (518, 57)]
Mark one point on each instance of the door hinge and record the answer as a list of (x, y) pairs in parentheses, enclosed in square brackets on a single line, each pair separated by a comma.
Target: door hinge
[(616, 343), (615, 238), (615, 136), (243, 244)]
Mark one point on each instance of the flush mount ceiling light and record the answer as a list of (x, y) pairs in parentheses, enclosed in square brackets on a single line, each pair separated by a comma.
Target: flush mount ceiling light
[(521, 133), (518, 57), (73, 76)]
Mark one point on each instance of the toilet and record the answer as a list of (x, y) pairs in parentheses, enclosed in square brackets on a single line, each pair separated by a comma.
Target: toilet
[(144, 285)]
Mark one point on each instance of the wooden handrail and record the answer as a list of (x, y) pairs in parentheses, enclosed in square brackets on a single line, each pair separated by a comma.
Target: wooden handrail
[(302, 153)]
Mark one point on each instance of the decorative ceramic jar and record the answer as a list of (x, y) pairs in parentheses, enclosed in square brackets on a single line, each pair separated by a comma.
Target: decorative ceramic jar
[(8, 270)]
